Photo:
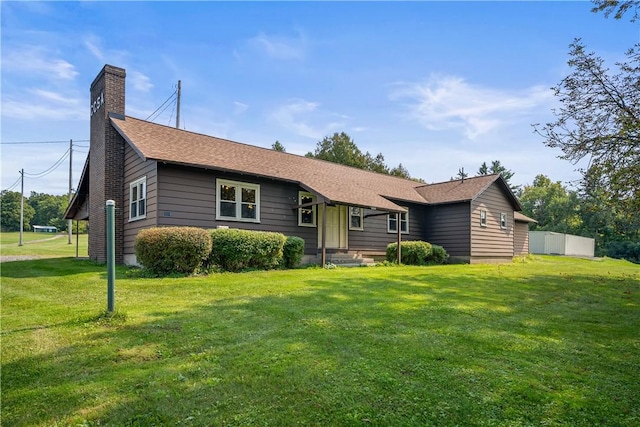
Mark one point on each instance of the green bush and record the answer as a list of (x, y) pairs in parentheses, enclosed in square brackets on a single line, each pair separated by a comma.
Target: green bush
[(292, 251), (235, 250), (417, 253), (438, 255), (167, 250), (624, 250)]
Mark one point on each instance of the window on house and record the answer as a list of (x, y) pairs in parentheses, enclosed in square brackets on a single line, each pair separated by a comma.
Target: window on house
[(483, 218), (356, 218), (307, 214), (237, 201), (138, 199), (503, 220), (392, 223)]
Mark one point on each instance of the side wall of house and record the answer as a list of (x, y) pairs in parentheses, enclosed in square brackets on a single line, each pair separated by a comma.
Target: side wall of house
[(521, 238), (492, 242), (449, 226), (187, 197), (136, 168), (374, 236)]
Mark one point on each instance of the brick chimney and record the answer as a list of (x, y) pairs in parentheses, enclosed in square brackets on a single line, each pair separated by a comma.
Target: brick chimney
[(106, 161)]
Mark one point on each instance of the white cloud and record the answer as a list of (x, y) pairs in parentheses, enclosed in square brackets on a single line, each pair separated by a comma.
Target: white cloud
[(46, 106), (91, 43), (275, 47), (239, 107), (139, 81), (35, 60), (306, 119), (450, 102)]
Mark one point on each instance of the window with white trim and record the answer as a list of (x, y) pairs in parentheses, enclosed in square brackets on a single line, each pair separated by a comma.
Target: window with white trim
[(503, 221), (392, 223), (237, 201), (356, 218), (306, 214), (483, 218), (138, 199)]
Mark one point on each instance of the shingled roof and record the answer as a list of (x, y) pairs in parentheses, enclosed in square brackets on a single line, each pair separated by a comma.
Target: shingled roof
[(464, 190), (334, 182)]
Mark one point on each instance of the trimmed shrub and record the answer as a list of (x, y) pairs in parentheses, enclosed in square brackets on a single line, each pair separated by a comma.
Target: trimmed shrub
[(235, 250), (292, 252), (167, 250), (417, 253), (438, 255)]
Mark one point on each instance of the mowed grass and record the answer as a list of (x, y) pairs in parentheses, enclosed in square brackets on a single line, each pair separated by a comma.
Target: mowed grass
[(549, 341), (43, 245)]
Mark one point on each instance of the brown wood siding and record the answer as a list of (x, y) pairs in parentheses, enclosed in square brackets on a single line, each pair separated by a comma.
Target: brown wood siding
[(521, 238), (135, 168), (492, 241), (374, 236), (187, 197), (449, 226)]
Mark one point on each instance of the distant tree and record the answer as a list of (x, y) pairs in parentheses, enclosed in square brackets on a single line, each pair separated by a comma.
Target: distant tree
[(10, 212), (495, 168), (340, 148), (49, 209), (461, 174), (552, 205), (618, 8), (600, 119), (400, 171), (277, 146)]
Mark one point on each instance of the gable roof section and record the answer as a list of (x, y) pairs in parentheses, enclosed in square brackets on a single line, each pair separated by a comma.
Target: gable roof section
[(523, 218), (334, 182), (465, 190), (79, 198)]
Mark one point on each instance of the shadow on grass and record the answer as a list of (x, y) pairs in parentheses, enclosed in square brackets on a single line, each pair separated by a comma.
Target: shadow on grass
[(409, 349)]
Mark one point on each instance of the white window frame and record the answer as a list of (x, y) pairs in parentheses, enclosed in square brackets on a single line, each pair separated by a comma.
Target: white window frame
[(360, 214), (238, 200), (503, 220), (404, 217), (141, 186), (483, 217), (313, 208)]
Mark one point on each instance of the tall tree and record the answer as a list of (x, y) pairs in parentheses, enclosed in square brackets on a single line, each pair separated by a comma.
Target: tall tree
[(497, 167), (277, 146), (552, 205), (10, 212), (600, 119)]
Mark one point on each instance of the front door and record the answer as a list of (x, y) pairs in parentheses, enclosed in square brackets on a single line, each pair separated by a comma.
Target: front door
[(336, 227)]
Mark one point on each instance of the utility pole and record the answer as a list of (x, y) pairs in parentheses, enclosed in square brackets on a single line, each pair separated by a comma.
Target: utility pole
[(70, 222), (178, 104), (21, 204)]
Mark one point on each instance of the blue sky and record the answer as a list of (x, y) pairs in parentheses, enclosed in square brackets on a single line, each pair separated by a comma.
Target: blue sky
[(436, 86)]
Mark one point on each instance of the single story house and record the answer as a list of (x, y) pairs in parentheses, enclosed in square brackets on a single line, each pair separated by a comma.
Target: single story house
[(163, 176)]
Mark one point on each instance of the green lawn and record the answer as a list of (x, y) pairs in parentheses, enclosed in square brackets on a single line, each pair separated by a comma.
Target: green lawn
[(45, 245), (551, 341)]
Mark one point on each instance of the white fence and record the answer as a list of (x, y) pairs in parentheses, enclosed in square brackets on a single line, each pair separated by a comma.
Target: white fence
[(548, 242)]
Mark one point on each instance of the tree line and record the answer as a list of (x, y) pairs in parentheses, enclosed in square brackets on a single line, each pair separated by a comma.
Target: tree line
[(39, 209)]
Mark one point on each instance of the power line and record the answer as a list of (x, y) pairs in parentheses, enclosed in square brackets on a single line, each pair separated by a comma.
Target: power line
[(51, 169), (42, 142), (162, 105), (13, 185)]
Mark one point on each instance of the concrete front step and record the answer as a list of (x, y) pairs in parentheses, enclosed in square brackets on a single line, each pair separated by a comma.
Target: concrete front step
[(349, 260)]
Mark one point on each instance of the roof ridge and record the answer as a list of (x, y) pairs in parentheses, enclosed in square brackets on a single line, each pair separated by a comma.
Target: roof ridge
[(418, 184)]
